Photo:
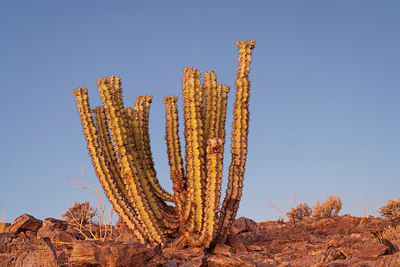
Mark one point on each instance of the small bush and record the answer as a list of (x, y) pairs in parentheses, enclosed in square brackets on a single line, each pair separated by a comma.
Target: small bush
[(391, 210), (329, 208), (300, 212), (81, 213)]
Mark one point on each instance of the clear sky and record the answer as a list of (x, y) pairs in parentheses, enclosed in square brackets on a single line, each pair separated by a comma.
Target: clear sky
[(325, 96)]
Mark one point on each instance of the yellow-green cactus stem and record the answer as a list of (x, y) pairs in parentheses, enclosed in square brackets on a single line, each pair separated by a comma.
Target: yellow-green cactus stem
[(239, 139), (195, 167), (142, 108), (102, 171), (214, 175), (177, 173), (145, 205), (210, 99)]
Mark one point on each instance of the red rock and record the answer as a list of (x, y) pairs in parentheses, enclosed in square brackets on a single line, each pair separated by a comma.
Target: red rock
[(181, 254), (242, 225), (217, 261), (56, 235), (233, 241), (338, 225), (55, 223), (4, 257), (222, 248), (371, 252), (6, 241), (24, 223), (96, 253), (38, 253)]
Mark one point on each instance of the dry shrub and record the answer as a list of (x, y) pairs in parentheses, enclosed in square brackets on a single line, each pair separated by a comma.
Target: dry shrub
[(387, 233), (103, 230), (391, 210), (3, 224), (329, 208), (300, 212), (80, 212)]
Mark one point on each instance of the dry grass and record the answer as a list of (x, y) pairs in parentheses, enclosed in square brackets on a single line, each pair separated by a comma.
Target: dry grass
[(3, 224)]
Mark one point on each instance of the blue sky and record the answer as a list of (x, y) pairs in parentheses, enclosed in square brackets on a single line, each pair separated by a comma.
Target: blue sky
[(324, 99)]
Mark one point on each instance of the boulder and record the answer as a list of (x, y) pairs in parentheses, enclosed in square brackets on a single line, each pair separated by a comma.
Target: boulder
[(25, 223), (56, 231), (39, 252), (371, 252), (218, 261), (234, 241), (243, 224), (97, 253), (6, 241), (55, 224)]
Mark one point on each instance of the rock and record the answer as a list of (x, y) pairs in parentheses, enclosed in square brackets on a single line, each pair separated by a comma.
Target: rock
[(55, 224), (62, 258), (81, 234), (253, 248), (181, 254), (338, 225), (25, 223), (39, 252), (97, 253), (172, 263), (6, 241), (333, 255), (4, 257), (222, 248), (242, 225), (125, 233), (393, 248), (196, 262), (234, 242), (371, 252), (56, 231), (217, 261)]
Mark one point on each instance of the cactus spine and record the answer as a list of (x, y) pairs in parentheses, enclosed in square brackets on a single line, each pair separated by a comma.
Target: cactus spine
[(118, 142)]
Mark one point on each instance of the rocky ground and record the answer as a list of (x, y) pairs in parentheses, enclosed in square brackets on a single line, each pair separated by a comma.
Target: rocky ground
[(342, 241)]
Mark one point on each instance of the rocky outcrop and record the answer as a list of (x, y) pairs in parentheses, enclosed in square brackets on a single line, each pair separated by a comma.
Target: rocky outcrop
[(341, 241), (25, 224)]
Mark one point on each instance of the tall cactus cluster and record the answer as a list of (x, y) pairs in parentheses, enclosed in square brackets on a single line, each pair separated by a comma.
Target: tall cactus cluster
[(119, 144)]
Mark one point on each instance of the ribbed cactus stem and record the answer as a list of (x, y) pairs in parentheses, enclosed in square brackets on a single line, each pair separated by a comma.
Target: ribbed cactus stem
[(239, 139), (102, 172), (175, 160), (195, 167), (144, 203), (214, 174)]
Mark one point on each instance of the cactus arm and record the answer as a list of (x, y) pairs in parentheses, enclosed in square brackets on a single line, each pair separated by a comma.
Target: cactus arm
[(239, 139), (214, 175), (175, 161), (210, 99), (195, 163), (108, 151), (142, 107), (144, 205), (101, 169)]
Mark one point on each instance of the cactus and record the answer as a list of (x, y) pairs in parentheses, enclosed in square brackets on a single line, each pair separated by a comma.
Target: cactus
[(119, 144)]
